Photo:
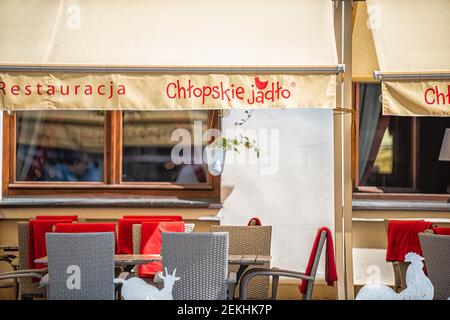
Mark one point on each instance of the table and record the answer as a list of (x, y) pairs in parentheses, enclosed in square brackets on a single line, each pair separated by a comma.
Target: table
[(244, 261), (122, 259), (137, 259), (128, 261)]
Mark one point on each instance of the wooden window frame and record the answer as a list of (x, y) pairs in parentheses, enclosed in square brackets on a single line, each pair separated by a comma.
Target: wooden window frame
[(112, 184), (397, 193)]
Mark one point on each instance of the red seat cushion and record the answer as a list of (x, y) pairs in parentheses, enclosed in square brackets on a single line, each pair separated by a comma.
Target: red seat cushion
[(151, 243), (86, 228), (37, 247), (71, 218), (125, 228)]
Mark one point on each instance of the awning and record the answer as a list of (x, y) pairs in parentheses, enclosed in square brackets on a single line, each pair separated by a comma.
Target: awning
[(167, 55), (412, 42), (364, 57)]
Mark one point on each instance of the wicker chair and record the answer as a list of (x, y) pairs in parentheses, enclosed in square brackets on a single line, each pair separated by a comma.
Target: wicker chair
[(21, 275), (90, 254), (11, 260), (201, 261), (250, 240), (25, 278), (28, 288), (399, 267), (436, 250), (277, 273)]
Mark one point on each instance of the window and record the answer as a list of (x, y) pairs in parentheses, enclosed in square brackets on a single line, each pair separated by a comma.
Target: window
[(122, 153), (60, 146), (147, 149), (397, 155)]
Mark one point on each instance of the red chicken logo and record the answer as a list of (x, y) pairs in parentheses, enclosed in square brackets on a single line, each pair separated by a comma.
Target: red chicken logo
[(261, 85)]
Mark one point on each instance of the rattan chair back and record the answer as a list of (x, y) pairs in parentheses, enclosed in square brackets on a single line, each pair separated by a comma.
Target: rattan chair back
[(200, 260), (436, 251), (250, 240), (80, 266)]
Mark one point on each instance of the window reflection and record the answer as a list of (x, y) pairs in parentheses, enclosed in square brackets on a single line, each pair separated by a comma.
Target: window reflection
[(147, 146), (59, 146), (399, 154)]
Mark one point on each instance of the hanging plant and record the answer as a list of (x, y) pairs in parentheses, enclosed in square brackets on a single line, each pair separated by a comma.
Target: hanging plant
[(216, 151)]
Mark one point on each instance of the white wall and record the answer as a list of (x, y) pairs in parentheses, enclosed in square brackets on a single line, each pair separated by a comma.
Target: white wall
[(299, 197)]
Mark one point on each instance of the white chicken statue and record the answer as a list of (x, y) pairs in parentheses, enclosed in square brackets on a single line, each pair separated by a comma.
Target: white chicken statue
[(418, 286)]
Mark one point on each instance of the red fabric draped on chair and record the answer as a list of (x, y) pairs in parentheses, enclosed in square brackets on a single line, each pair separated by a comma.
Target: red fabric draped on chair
[(38, 229), (71, 218), (151, 243), (403, 237), (330, 264), (441, 231), (86, 228), (171, 218), (255, 221), (125, 228)]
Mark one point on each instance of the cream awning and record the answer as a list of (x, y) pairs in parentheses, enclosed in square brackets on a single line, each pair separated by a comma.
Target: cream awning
[(412, 42), (364, 57), (147, 54)]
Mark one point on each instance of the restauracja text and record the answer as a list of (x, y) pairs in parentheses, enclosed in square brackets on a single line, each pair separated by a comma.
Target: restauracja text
[(106, 90)]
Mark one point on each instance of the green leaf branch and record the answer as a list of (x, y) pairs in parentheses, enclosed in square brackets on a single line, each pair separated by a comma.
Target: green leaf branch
[(233, 144)]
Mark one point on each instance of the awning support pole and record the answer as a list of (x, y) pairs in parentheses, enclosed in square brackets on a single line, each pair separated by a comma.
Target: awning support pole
[(347, 151), (343, 184), (337, 155)]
